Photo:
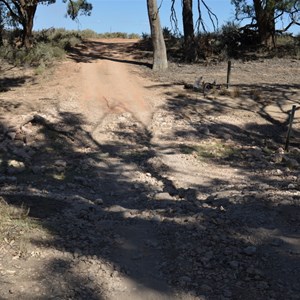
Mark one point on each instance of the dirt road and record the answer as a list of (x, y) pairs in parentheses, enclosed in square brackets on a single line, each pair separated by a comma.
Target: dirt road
[(140, 189)]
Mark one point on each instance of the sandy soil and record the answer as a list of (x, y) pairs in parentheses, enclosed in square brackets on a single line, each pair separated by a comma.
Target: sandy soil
[(141, 189)]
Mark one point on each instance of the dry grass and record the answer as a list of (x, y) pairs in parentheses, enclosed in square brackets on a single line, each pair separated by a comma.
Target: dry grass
[(15, 226), (256, 95), (230, 92), (235, 93), (210, 150)]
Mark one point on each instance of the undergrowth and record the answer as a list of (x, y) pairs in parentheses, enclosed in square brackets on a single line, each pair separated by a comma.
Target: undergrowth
[(214, 150), (230, 41), (40, 54), (15, 225)]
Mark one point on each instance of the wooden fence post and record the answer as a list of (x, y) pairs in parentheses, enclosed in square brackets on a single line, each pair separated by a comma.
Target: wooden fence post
[(228, 73), (292, 114)]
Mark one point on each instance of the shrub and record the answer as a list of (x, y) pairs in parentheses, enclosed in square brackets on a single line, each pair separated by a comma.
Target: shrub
[(41, 53), (111, 35), (134, 36), (88, 34), (145, 36), (287, 46)]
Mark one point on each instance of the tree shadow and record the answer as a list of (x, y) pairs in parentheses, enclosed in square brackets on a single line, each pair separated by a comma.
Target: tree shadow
[(272, 94), (94, 50), (7, 83), (107, 221), (270, 103), (7, 106)]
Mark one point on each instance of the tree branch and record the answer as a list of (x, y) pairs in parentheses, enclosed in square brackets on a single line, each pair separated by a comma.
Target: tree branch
[(288, 26), (173, 18), (199, 21), (13, 14), (211, 15)]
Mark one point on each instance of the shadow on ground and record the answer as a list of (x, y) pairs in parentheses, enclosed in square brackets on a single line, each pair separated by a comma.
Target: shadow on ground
[(93, 50), (266, 107), (7, 83), (112, 212), (171, 244)]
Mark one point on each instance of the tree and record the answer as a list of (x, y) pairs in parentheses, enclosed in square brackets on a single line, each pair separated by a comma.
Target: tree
[(265, 13), (23, 12), (78, 7), (190, 45), (188, 30), (1, 24), (160, 61)]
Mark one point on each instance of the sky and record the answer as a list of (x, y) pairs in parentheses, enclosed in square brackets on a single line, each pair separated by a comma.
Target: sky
[(128, 16)]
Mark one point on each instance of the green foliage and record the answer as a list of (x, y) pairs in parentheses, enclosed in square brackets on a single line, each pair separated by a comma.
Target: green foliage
[(286, 10), (210, 151), (40, 54), (21, 14), (244, 8), (119, 35), (134, 36), (88, 34), (58, 34), (60, 37), (78, 7)]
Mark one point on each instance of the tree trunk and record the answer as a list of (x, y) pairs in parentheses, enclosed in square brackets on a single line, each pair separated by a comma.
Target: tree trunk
[(28, 13), (265, 22), (1, 24), (1, 34), (160, 61), (190, 51)]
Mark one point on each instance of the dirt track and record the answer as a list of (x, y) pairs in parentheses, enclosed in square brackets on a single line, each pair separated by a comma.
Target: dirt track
[(140, 189), (108, 88)]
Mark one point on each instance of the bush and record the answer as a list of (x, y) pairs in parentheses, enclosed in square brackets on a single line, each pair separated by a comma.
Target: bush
[(134, 36), (62, 38), (287, 46), (41, 53), (230, 39), (88, 34)]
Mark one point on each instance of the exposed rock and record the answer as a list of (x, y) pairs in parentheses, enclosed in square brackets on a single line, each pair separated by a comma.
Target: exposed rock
[(291, 163), (60, 163), (278, 172), (291, 186), (156, 218), (250, 250), (98, 201), (277, 158), (163, 196), (11, 135), (15, 167)]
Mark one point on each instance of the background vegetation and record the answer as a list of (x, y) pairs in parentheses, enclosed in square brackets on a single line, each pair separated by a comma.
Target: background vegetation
[(20, 45), (49, 45)]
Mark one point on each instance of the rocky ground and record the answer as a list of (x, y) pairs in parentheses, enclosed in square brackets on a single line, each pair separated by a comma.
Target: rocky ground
[(118, 183)]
